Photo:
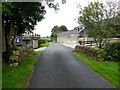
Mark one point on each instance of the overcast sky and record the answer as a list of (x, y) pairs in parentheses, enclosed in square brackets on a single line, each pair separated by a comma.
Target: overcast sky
[(67, 16)]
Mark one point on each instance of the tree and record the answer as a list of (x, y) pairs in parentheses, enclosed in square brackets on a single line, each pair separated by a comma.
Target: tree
[(57, 30), (54, 6), (20, 17), (63, 28), (97, 19)]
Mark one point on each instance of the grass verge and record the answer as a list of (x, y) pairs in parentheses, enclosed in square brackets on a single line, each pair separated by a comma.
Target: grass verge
[(18, 77), (44, 44), (46, 38), (36, 52), (107, 69)]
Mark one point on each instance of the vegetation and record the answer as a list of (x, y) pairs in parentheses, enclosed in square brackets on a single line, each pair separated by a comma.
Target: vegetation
[(111, 51), (44, 44), (101, 21), (57, 30), (107, 69), (54, 6), (18, 18), (18, 77), (36, 52), (0, 75), (42, 41), (46, 38)]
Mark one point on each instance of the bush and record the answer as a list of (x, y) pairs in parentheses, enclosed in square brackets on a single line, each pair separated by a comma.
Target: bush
[(111, 51), (49, 40), (42, 41)]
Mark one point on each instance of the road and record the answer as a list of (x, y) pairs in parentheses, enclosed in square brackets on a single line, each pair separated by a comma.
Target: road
[(57, 67)]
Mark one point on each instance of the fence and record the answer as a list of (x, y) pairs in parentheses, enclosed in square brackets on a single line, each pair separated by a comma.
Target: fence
[(91, 42)]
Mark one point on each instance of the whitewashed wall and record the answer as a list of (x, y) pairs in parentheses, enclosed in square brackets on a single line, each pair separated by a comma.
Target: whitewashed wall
[(68, 38), (35, 43)]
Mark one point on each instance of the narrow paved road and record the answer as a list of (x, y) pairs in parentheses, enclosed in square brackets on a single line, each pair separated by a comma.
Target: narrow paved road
[(57, 67)]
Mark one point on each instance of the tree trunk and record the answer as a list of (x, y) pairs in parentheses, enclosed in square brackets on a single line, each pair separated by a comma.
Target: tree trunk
[(8, 36), (14, 36), (100, 43), (10, 31)]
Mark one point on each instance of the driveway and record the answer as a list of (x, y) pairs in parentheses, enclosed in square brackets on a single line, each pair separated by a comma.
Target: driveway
[(57, 67)]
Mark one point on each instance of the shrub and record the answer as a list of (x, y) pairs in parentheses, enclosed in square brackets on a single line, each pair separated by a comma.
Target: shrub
[(111, 51), (49, 40), (42, 41)]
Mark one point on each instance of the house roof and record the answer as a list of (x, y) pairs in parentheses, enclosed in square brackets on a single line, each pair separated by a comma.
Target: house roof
[(76, 30), (68, 32)]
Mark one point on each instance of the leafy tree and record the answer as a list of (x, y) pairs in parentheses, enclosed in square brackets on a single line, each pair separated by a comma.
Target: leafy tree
[(63, 28), (54, 6), (20, 17), (57, 30), (97, 19)]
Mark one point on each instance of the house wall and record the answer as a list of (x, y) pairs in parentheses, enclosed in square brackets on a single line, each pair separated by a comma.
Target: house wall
[(72, 38), (35, 43), (26, 42)]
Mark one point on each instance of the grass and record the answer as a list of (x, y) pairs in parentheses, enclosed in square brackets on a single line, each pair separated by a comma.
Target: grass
[(44, 44), (107, 69), (0, 75), (18, 77), (36, 52), (46, 38)]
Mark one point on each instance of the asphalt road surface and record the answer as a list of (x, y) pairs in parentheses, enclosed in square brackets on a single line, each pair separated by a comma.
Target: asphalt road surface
[(57, 67)]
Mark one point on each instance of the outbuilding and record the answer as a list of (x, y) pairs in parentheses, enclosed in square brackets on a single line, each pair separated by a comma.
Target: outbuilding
[(72, 36)]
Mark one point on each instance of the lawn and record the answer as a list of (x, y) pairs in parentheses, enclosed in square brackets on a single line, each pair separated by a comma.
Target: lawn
[(36, 52), (46, 38), (44, 44), (107, 69), (18, 77)]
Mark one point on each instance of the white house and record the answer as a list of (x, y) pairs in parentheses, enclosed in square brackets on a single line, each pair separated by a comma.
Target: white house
[(72, 36)]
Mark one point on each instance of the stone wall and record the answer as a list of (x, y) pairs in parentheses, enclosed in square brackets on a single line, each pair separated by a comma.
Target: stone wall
[(19, 54), (94, 53)]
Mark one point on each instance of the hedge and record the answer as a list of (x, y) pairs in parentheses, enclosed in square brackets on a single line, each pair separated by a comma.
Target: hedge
[(111, 51), (42, 41)]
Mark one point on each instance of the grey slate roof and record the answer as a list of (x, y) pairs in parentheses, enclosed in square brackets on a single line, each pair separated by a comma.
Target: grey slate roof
[(68, 33), (76, 30)]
